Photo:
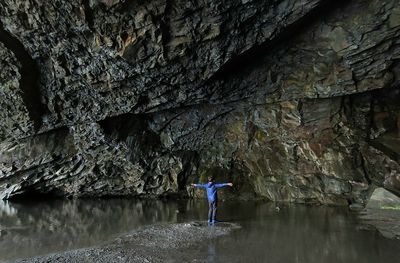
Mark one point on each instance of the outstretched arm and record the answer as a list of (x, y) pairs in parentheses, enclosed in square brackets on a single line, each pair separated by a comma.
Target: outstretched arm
[(223, 185), (199, 185)]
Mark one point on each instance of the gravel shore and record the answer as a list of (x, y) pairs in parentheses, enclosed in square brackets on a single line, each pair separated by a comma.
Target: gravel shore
[(156, 243)]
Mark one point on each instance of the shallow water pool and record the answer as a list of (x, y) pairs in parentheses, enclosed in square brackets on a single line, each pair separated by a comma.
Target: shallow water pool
[(294, 233)]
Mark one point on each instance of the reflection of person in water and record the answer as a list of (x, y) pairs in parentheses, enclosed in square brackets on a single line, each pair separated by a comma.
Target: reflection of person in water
[(212, 196), (212, 256)]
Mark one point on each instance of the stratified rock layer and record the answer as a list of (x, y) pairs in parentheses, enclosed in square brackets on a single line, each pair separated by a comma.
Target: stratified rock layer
[(291, 100)]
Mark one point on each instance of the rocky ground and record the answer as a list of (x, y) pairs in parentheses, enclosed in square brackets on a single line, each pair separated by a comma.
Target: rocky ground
[(157, 243), (294, 101)]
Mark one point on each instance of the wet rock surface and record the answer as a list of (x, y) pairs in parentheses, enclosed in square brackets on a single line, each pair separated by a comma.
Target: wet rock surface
[(293, 101), (386, 221), (383, 213)]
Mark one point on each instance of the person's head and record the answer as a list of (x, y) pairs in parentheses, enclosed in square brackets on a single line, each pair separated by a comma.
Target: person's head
[(211, 178)]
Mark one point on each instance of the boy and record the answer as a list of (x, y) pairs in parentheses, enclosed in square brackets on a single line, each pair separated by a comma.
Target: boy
[(212, 197)]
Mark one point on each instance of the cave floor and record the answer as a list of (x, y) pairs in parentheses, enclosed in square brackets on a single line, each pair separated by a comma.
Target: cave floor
[(123, 230)]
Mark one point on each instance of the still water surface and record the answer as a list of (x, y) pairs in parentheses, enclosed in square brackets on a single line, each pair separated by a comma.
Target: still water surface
[(292, 234)]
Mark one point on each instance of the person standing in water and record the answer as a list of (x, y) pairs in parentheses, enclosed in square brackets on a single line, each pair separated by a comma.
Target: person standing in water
[(212, 197)]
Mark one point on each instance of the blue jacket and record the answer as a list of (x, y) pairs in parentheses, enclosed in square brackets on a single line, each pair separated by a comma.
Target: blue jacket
[(211, 190)]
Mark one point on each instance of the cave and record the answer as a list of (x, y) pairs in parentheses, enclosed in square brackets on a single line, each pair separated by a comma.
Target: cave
[(293, 102)]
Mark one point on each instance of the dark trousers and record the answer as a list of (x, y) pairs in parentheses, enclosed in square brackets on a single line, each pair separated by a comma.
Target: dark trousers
[(212, 211)]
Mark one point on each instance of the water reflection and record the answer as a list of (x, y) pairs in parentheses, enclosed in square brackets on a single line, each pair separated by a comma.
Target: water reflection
[(6, 209), (37, 228), (212, 255), (294, 234), (299, 234)]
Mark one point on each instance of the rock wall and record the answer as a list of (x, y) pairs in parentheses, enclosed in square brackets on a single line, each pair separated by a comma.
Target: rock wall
[(294, 101)]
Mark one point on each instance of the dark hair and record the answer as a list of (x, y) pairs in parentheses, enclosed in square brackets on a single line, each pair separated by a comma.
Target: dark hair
[(211, 178)]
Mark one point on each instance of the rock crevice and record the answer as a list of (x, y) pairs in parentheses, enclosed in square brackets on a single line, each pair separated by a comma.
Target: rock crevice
[(30, 76)]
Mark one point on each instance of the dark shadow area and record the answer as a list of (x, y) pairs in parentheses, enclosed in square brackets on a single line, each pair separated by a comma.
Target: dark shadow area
[(134, 131), (30, 77), (385, 114), (191, 162), (32, 195), (89, 16)]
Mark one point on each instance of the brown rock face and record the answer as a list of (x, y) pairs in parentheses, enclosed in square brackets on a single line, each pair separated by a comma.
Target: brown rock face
[(295, 101)]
